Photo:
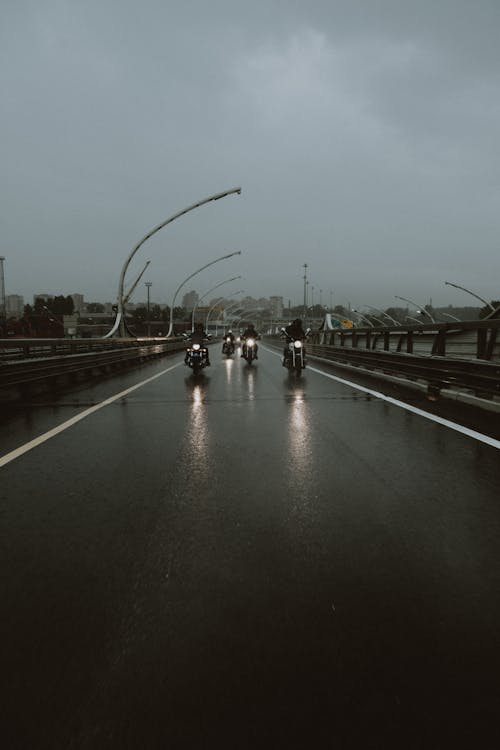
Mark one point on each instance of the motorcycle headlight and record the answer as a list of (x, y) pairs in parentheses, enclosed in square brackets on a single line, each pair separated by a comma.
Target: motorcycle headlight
[(297, 344), (250, 342), (196, 347)]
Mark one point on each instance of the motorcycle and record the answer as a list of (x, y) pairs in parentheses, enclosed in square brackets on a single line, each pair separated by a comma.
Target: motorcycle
[(295, 355), (249, 351), (196, 358), (228, 346)]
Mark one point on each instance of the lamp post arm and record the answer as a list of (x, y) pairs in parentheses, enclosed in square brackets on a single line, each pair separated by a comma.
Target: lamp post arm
[(386, 315), (129, 293), (382, 323), (223, 257), (420, 307), (363, 317), (472, 293), (240, 291), (245, 312), (121, 313), (208, 292), (153, 231)]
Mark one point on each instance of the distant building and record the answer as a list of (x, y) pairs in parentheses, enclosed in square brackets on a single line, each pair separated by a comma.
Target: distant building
[(43, 296), (276, 307), (190, 300), (78, 302), (14, 304)]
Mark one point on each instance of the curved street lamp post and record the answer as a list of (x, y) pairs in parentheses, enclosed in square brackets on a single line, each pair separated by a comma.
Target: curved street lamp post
[(223, 257), (218, 301), (205, 294), (363, 317), (421, 308), (450, 283), (386, 315), (119, 322)]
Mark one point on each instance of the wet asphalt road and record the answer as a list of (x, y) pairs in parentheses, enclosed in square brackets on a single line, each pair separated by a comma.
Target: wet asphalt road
[(247, 560)]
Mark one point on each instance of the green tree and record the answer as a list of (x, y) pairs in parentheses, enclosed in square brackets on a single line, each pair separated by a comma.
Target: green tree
[(140, 314), (61, 305)]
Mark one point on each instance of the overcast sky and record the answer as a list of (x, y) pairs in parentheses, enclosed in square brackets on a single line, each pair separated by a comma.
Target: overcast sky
[(364, 134)]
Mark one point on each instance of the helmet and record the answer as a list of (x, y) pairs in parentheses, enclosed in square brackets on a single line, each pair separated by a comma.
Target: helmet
[(297, 322), (230, 331)]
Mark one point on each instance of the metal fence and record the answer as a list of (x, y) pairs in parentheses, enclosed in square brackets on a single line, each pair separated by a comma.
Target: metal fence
[(444, 355)]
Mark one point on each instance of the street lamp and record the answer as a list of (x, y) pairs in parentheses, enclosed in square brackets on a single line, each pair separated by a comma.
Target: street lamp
[(305, 290), (205, 294), (396, 322), (363, 317), (449, 283), (382, 322), (223, 257), (119, 316), (244, 313), (421, 307), (148, 287), (218, 301)]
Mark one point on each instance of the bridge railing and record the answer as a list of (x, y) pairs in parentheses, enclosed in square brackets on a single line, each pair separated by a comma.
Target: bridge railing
[(462, 356), (27, 364), (465, 340)]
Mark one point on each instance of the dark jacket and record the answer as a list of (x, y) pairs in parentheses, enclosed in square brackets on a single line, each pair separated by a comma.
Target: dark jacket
[(250, 333), (198, 336), (296, 332)]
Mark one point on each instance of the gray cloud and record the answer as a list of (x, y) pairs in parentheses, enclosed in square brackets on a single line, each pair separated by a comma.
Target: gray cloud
[(364, 135)]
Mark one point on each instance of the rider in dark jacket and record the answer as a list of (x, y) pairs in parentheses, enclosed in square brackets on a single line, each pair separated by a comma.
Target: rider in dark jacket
[(229, 335), (295, 331), (198, 336), (249, 333)]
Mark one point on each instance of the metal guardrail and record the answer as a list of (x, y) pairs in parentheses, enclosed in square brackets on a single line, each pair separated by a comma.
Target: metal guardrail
[(461, 356), (479, 377), (27, 363), (465, 340)]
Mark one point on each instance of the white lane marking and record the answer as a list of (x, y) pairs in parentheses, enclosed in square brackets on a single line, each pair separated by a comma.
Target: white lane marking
[(8, 457), (408, 407)]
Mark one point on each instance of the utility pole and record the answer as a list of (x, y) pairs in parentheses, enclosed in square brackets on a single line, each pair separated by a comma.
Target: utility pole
[(148, 287), (305, 291), (3, 308)]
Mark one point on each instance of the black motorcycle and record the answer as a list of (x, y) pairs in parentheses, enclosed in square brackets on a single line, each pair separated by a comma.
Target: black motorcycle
[(228, 346), (295, 353), (249, 349), (196, 358)]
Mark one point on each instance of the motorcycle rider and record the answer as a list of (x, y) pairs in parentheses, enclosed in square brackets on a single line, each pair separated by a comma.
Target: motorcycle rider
[(249, 333), (229, 335), (198, 336), (295, 331)]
